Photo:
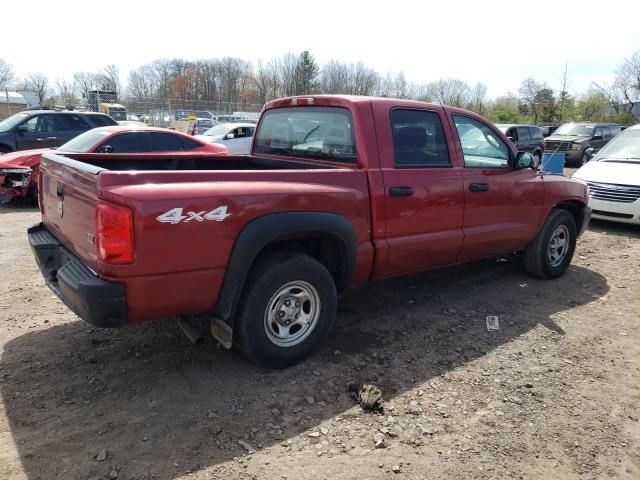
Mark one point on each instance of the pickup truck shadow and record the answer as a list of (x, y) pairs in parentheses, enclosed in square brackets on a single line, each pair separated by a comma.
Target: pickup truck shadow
[(160, 407)]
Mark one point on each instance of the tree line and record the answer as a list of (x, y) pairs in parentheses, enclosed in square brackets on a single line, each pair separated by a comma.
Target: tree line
[(232, 84)]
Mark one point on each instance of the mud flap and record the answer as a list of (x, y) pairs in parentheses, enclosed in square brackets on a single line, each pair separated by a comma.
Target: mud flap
[(222, 332)]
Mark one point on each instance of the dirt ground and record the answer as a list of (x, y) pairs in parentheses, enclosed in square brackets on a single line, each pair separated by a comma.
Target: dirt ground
[(554, 394)]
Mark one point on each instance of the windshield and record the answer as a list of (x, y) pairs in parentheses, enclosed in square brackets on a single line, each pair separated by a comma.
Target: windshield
[(85, 142), (12, 121), (218, 130), (625, 146), (575, 130), (324, 133)]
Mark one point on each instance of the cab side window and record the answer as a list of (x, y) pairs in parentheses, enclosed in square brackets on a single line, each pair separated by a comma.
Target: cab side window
[(481, 147), (418, 139)]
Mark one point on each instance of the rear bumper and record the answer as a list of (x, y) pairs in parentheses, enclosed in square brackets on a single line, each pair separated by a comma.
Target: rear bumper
[(96, 301)]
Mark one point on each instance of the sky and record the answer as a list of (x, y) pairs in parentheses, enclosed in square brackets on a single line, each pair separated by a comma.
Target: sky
[(499, 43)]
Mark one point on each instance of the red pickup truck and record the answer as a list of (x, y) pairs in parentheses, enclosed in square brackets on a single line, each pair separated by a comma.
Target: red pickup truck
[(337, 191)]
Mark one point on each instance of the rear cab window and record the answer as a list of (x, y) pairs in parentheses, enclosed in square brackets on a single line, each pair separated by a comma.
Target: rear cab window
[(418, 139), (321, 133)]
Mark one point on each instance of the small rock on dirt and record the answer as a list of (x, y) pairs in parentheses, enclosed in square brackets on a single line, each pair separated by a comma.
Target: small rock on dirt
[(395, 469), (310, 400), (113, 474), (101, 456), (370, 397), (246, 446)]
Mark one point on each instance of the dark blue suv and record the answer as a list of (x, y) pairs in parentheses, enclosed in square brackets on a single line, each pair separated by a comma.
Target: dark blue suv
[(45, 128)]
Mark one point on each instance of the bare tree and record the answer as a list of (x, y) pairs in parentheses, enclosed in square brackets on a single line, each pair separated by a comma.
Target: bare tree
[(66, 94), (479, 98), (530, 97), (452, 91), (563, 96), (288, 65), (84, 82), (7, 74), (39, 83), (109, 79)]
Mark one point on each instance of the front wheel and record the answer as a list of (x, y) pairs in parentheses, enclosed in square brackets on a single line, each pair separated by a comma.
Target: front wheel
[(584, 158), (550, 253), (287, 308)]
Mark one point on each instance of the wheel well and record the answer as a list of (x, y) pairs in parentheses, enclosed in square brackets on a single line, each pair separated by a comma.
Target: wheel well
[(574, 208), (324, 247)]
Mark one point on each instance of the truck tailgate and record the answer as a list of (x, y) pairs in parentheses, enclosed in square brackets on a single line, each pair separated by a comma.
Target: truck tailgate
[(69, 197)]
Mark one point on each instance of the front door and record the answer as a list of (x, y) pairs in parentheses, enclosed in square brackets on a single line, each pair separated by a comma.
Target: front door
[(423, 189), (502, 204), (39, 131)]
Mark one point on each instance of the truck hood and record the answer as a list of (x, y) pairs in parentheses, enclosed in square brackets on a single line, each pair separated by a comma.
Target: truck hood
[(621, 172), (24, 158), (566, 138)]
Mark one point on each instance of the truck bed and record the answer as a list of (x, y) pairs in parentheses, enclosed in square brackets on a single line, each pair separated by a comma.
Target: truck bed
[(187, 161)]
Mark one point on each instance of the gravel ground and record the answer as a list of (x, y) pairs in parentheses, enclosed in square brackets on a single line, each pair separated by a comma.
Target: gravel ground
[(555, 393)]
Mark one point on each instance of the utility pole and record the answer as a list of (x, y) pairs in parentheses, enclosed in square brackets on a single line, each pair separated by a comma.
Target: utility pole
[(6, 93)]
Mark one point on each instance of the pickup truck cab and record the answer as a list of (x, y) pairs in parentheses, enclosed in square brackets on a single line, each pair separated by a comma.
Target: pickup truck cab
[(337, 191)]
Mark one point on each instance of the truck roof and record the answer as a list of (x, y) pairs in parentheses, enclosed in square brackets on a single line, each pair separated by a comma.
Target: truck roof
[(343, 101)]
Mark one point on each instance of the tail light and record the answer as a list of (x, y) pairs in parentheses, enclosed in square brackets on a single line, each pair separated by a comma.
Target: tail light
[(114, 233)]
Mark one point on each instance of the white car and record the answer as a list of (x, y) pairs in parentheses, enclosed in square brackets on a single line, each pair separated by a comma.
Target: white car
[(236, 137), (613, 176)]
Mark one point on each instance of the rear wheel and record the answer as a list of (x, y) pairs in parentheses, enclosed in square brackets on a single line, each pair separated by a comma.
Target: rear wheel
[(287, 308), (550, 253)]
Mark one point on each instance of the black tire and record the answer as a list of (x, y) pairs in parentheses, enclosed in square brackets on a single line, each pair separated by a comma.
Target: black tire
[(583, 159), (267, 278), (537, 256), (32, 195)]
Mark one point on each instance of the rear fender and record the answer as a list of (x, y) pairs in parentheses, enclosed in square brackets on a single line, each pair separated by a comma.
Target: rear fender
[(263, 231)]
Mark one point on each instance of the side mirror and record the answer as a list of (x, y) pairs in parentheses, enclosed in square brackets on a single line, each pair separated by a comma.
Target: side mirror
[(590, 153), (597, 137), (229, 136), (524, 160), (23, 128), (512, 140), (105, 149)]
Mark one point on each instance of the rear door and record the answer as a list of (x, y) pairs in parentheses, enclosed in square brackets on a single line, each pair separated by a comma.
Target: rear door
[(69, 200), (502, 204), (70, 125), (423, 189)]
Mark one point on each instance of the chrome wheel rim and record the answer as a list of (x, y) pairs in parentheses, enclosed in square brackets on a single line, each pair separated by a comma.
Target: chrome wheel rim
[(292, 314), (558, 245)]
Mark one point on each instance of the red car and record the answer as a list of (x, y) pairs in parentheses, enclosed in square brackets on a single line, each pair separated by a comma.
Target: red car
[(337, 191), (19, 170)]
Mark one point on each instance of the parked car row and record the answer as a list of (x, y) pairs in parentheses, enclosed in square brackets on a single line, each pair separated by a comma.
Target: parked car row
[(19, 170)]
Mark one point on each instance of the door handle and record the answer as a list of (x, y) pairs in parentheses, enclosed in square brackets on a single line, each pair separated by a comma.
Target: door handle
[(479, 187), (401, 191)]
